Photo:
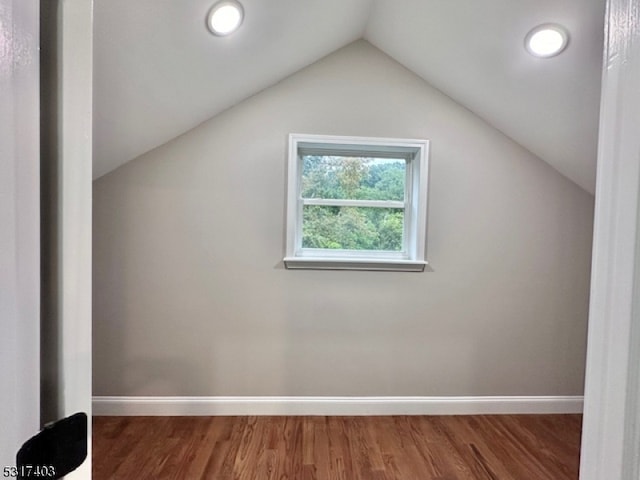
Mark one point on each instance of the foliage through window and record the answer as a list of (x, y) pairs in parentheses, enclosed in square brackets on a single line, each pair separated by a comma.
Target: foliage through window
[(352, 178), (356, 203)]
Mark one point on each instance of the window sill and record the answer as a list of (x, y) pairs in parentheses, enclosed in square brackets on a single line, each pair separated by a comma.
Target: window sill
[(377, 264)]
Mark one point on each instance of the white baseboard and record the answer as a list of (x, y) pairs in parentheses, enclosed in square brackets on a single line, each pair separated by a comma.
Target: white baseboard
[(231, 406)]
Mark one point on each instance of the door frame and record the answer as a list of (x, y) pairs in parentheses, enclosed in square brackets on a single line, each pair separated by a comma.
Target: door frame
[(66, 114), (19, 227), (611, 435)]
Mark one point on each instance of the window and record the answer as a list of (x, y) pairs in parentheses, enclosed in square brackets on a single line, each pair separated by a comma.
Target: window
[(356, 203)]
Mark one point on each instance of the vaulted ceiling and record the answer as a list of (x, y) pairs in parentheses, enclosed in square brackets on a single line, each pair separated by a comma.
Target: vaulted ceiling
[(159, 72)]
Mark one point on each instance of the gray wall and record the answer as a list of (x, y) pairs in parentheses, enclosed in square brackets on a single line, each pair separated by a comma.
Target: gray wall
[(191, 297)]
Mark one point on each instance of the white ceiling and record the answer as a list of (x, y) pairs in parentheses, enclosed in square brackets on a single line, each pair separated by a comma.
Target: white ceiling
[(159, 72)]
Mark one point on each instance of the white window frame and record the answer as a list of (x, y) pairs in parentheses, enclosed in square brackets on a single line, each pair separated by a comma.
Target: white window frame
[(412, 256)]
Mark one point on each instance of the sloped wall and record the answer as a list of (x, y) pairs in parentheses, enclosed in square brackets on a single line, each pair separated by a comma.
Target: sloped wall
[(191, 297)]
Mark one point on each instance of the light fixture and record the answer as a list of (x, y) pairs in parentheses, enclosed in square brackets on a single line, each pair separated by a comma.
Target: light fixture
[(225, 17), (546, 40)]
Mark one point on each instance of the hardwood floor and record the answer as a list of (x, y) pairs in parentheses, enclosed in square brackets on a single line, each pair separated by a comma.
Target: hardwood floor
[(492, 447)]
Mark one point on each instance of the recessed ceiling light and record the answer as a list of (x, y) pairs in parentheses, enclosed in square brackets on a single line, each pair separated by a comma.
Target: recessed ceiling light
[(225, 17), (546, 40)]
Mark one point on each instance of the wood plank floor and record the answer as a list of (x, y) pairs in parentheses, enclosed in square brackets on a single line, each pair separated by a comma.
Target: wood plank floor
[(481, 447)]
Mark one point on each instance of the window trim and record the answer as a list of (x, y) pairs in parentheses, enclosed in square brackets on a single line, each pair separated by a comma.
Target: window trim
[(412, 258)]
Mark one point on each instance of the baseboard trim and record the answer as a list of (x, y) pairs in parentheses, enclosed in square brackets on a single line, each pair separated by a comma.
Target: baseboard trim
[(231, 406)]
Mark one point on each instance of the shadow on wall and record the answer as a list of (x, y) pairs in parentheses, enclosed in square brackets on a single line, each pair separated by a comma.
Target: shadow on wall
[(146, 376)]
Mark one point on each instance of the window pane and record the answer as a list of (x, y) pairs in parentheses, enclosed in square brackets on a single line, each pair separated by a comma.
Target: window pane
[(353, 178), (352, 228)]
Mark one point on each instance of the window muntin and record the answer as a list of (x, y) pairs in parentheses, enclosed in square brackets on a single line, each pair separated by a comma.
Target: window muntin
[(356, 198)]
